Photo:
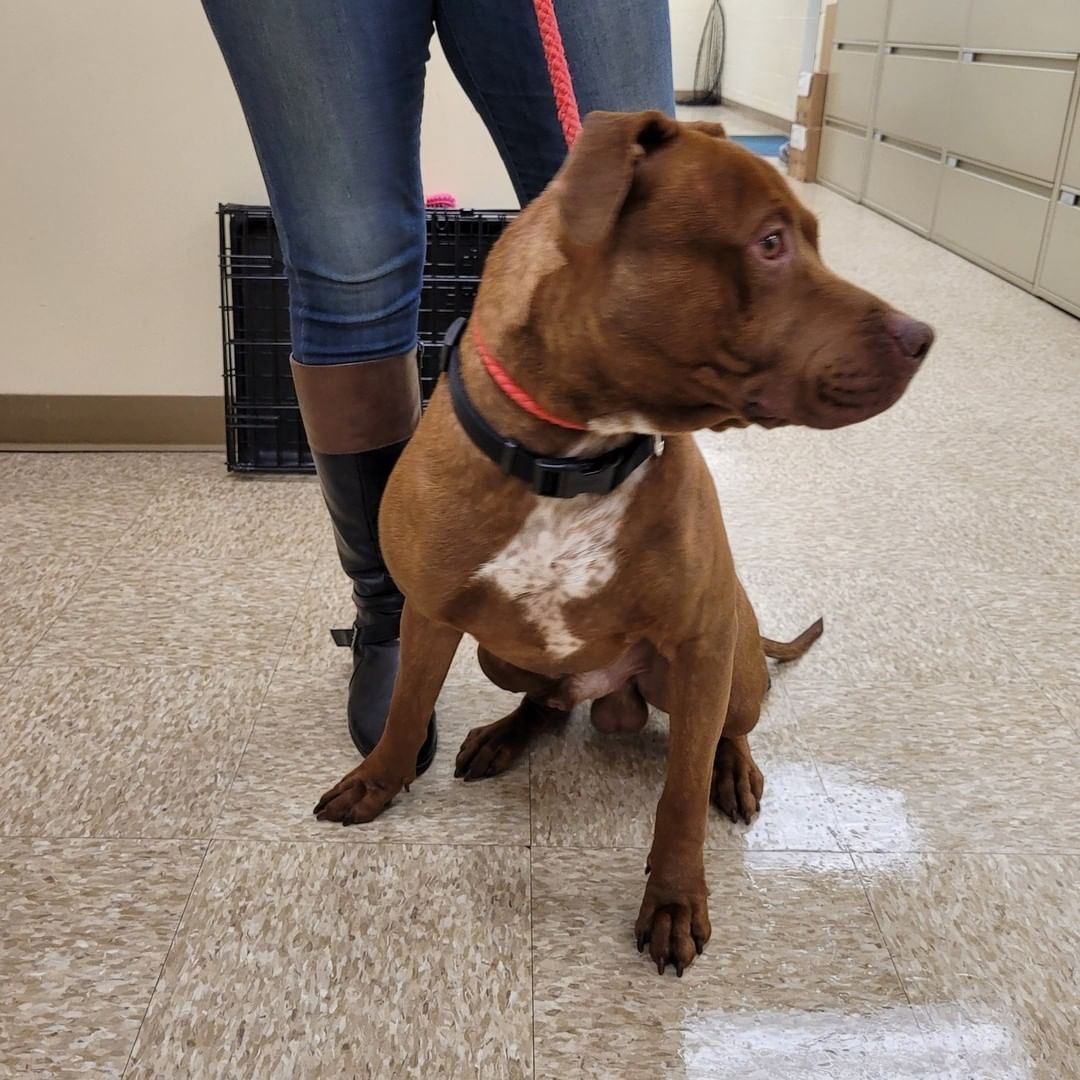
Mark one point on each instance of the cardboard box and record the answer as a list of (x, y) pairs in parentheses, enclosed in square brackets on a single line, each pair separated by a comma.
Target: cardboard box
[(828, 34), (810, 104), (803, 155)]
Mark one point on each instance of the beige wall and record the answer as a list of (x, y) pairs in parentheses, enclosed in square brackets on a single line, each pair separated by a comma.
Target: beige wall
[(121, 134)]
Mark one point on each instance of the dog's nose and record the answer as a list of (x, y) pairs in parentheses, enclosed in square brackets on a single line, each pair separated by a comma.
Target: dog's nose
[(913, 337)]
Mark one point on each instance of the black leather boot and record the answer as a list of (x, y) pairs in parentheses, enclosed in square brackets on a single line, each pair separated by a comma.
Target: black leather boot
[(358, 418), (353, 486)]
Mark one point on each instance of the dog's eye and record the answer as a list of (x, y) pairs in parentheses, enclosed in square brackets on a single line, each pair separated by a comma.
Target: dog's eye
[(772, 245)]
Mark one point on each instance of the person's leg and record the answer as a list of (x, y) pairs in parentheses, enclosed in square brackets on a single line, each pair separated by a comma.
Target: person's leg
[(532, 67), (332, 91)]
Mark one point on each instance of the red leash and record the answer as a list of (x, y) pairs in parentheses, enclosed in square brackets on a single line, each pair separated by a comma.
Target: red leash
[(562, 86), (558, 70), (517, 394)]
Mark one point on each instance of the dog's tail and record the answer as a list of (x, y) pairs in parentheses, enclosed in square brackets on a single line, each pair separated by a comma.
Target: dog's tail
[(792, 650)]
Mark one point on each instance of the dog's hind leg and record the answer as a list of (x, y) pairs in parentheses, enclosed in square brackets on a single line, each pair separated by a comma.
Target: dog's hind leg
[(493, 748), (517, 680), (737, 782), (621, 710)]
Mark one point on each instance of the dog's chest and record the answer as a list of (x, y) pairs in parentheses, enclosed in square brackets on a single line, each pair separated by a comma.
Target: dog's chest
[(566, 550)]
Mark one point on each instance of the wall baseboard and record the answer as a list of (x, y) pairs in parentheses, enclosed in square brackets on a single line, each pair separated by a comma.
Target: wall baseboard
[(760, 115), (111, 420)]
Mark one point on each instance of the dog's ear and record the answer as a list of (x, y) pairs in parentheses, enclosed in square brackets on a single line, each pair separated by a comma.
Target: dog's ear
[(707, 127), (595, 180)]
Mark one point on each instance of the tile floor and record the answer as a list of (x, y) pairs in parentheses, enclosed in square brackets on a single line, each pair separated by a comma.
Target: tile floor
[(735, 121), (907, 906)]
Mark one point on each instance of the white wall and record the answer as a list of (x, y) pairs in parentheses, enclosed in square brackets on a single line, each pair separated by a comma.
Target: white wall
[(121, 133), (687, 22), (764, 49)]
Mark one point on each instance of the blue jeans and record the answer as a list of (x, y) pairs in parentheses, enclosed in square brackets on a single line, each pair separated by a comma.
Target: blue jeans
[(332, 91)]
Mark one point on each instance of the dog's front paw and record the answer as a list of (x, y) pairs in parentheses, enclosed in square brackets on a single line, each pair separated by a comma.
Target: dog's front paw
[(358, 797), (674, 923)]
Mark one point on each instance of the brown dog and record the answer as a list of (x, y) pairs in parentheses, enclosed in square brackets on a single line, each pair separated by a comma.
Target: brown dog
[(667, 281)]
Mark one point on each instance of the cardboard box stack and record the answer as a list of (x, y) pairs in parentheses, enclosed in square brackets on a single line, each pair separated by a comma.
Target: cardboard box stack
[(810, 109)]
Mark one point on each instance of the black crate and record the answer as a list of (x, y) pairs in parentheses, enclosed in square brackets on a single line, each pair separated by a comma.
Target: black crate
[(263, 429), (441, 302), (458, 241)]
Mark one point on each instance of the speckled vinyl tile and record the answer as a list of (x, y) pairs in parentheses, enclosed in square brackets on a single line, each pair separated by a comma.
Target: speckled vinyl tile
[(969, 385), (1023, 532), (300, 747), (795, 978), (205, 474), (121, 751), (35, 590), (983, 373), (876, 498), (986, 946), (355, 960), (40, 524), (326, 603), (84, 929), (200, 612), (64, 476), (882, 625), (600, 791), (1039, 619), (952, 767), (243, 522), (817, 530)]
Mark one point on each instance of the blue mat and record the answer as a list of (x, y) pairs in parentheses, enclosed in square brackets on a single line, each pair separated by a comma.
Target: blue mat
[(765, 145)]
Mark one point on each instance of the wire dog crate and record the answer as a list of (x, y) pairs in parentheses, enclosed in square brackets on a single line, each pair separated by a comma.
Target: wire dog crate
[(263, 429)]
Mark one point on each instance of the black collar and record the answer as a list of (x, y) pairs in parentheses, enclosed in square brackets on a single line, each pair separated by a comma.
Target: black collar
[(553, 477)]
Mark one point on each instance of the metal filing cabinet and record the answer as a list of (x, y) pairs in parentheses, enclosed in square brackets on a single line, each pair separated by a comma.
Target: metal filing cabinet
[(861, 20), (1031, 26), (1071, 173), (1060, 275), (1061, 262), (849, 92), (903, 181), (991, 215), (849, 95), (928, 22), (842, 158), (914, 83), (1009, 111)]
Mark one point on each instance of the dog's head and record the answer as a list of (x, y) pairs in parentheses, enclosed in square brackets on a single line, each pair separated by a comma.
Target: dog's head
[(692, 274)]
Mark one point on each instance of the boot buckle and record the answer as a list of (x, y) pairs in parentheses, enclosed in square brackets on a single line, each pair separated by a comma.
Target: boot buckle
[(375, 633), (345, 636)]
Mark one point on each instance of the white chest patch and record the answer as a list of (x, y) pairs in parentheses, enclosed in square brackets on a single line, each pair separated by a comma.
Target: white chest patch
[(566, 549)]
